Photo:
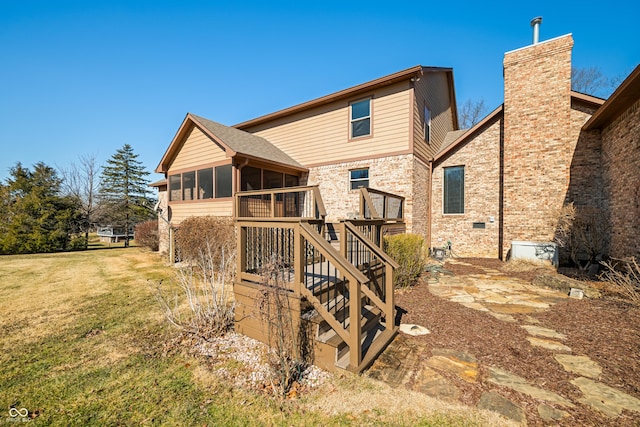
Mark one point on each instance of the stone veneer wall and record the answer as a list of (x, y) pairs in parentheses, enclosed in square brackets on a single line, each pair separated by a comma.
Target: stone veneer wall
[(394, 174), (163, 226), (621, 158), (537, 146), (586, 179), (480, 157), (420, 199)]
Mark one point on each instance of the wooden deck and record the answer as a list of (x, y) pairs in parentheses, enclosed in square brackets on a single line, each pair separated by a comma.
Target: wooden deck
[(342, 290)]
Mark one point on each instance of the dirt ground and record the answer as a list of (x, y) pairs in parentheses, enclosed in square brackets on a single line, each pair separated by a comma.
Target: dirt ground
[(607, 330)]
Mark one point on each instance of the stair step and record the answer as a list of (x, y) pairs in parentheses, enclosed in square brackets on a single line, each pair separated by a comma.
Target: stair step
[(371, 351), (367, 340), (370, 317)]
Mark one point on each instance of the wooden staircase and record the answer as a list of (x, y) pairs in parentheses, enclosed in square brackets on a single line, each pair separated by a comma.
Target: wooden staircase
[(340, 274)]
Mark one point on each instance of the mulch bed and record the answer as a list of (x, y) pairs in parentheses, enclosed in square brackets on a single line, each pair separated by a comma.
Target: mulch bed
[(607, 330)]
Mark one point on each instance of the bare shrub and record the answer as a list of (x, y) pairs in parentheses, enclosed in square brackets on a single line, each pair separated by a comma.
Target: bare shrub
[(147, 234), (196, 234), (584, 232), (564, 225), (409, 252), (285, 359), (623, 277), (203, 304), (590, 233)]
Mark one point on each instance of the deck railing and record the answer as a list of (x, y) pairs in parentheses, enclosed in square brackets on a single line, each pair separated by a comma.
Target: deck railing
[(293, 202), (376, 204), (369, 258)]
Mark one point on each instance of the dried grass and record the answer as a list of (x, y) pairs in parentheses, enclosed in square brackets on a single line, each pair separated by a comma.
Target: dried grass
[(623, 277), (521, 265), (360, 396)]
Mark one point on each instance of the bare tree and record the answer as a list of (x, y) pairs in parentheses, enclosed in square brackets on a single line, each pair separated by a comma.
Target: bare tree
[(471, 113), (590, 80), (81, 181)]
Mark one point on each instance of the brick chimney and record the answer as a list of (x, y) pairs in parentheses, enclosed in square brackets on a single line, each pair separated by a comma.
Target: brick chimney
[(537, 153)]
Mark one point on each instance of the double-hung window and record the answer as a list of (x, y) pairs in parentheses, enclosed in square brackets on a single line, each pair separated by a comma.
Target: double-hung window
[(360, 118), (454, 190), (358, 178)]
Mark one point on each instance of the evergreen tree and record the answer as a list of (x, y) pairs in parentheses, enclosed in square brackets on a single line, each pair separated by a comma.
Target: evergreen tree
[(124, 190), (34, 217)]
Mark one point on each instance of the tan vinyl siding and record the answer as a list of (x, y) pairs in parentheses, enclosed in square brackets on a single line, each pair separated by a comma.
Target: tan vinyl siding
[(433, 88), (182, 211), (322, 134), (197, 149)]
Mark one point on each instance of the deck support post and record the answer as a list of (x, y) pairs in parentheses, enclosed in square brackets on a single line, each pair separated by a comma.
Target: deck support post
[(298, 259), (355, 328)]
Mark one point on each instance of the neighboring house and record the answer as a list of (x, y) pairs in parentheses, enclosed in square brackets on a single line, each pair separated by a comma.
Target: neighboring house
[(503, 180)]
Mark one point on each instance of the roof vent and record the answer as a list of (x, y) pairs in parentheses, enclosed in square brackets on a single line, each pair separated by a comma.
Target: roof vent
[(535, 23)]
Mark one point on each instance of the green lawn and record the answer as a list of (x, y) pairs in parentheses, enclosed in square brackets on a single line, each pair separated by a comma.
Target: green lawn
[(82, 342)]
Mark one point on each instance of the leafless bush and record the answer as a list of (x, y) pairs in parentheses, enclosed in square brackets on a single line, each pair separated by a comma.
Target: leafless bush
[(564, 226), (584, 232), (623, 276), (147, 234), (286, 363), (203, 305), (195, 234)]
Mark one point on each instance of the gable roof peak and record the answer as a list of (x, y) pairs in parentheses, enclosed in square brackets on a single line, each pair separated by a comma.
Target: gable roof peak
[(387, 80)]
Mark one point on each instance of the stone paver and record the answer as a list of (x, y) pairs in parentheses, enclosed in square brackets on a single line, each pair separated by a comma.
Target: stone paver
[(398, 362), (519, 384), (549, 344), (494, 402), (459, 363), (606, 399), (550, 414), (431, 383), (580, 365), (543, 332), (503, 317)]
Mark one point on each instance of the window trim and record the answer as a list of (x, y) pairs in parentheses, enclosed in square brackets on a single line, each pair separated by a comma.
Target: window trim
[(352, 181), (444, 189), (369, 117)]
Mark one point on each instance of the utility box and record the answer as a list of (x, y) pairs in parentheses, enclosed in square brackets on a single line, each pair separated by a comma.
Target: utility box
[(535, 251)]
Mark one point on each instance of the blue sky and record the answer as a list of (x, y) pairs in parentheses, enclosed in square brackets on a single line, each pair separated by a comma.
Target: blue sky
[(86, 77)]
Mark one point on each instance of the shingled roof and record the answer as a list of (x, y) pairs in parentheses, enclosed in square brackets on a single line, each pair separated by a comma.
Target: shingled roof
[(235, 142)]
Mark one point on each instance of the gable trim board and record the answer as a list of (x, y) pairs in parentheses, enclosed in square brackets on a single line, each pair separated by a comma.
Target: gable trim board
[(622, 98)]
